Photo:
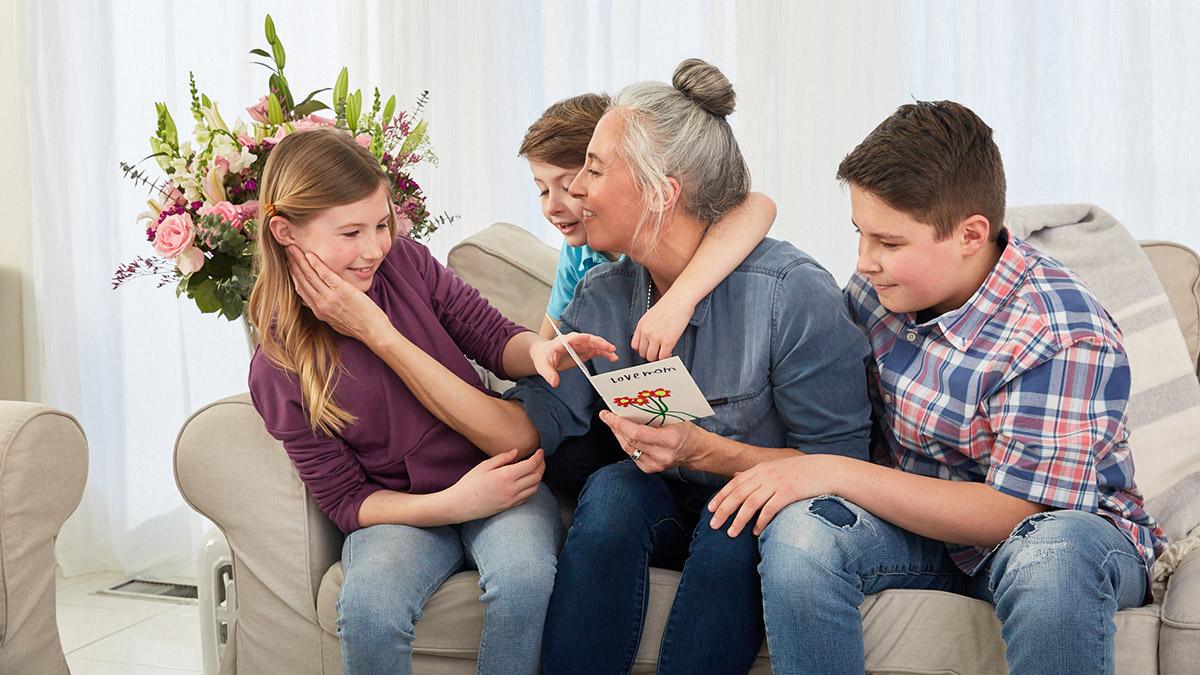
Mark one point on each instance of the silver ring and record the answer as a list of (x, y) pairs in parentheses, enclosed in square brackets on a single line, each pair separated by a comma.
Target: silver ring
[(637, 454)]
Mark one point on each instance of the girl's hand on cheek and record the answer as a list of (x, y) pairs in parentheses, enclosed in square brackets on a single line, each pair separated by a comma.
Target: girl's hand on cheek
[(333, 300)]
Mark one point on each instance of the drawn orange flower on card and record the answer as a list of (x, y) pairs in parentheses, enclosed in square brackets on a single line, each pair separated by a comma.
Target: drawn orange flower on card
[(650, 401)]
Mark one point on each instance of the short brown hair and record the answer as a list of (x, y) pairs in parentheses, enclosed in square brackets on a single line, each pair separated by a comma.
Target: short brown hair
[(561, 135), (934, 160)]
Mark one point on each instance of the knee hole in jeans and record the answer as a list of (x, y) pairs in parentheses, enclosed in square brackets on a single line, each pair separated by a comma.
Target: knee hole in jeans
[(834, 512), (1029, 525)]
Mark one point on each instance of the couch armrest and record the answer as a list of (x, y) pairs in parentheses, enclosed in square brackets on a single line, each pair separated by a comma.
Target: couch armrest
[(231, 470), (43, 469), (1179, 637)]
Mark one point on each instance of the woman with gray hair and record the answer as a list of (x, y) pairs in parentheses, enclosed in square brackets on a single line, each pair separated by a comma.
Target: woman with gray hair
[(771, 347)]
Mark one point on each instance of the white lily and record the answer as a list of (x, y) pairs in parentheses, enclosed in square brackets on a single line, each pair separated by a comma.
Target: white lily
[(238, 161), (214, 185), (214, 118), (153, 213)]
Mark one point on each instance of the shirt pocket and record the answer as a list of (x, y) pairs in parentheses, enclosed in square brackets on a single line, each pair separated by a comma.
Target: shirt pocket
[(738, 414)]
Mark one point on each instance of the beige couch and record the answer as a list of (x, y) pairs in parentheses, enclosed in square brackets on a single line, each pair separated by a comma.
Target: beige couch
[(286, 551), (43, 468)]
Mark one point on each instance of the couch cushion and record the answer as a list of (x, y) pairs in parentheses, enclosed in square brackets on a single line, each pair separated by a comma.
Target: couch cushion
[(905, 631), (453, 618), (511, 268), (909, 631), (1179, 647)]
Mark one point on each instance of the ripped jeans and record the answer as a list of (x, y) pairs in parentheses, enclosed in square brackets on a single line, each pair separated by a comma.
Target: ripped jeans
[(1056, 583)]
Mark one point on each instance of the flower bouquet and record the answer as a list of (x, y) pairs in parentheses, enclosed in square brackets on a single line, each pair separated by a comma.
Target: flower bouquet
[(203, 212)]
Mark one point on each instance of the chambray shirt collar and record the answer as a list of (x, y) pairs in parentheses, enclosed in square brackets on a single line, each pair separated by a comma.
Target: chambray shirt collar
[(637, 306), (961, 326)]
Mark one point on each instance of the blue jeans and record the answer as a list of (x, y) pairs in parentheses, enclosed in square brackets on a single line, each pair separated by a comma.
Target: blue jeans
[(1056, 583), (627, 521), (391, 570)]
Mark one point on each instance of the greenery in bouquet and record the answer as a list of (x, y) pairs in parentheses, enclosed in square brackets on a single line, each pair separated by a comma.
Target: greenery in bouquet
[(203, 212)]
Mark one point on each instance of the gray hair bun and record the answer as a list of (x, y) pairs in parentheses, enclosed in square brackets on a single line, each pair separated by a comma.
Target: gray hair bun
[(705, 85)]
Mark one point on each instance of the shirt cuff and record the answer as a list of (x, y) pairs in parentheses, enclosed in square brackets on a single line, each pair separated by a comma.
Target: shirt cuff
[(541, 410)]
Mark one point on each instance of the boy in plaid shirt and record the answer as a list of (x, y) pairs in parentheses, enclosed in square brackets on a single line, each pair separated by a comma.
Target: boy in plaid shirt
[(1001, 463)]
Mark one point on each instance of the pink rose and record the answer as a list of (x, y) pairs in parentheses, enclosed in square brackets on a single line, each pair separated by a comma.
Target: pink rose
[(363, 140), (259, 111), (228, 212), (174, 235), (190, 260)]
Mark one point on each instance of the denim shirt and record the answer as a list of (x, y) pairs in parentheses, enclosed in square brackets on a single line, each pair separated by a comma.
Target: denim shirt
[(772, 349)]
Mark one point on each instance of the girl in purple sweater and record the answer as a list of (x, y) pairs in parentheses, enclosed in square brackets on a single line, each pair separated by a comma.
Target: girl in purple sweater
[(420, 493)]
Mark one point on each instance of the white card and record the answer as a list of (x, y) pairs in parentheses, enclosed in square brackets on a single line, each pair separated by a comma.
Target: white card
[(654, 394)]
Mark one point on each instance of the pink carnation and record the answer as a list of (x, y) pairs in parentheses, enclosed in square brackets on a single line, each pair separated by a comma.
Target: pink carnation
[(248, 210), (174, 235)]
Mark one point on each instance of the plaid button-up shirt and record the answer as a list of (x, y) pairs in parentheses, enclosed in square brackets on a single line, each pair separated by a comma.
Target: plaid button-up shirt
[(1022, 388)]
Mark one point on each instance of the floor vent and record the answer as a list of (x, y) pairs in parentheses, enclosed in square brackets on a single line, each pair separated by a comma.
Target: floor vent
[(153, 590)]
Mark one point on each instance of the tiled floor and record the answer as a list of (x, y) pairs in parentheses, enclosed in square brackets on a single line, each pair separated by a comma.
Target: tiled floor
[(107, 635)]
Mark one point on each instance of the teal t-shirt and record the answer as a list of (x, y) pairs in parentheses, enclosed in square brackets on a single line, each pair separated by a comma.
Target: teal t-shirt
[(573, 263)]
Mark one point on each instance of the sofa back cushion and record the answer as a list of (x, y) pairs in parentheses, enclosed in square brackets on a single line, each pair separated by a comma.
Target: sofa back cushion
[(1178, 268), (511, 268)]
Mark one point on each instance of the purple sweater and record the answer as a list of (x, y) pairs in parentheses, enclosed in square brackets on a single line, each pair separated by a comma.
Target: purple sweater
[(396, 443)]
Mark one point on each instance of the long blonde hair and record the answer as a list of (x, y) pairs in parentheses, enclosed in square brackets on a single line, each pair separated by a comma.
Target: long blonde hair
[(307, 172)]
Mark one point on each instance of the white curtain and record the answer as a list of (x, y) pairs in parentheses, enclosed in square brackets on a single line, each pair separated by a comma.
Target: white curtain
[(1090, 102)]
